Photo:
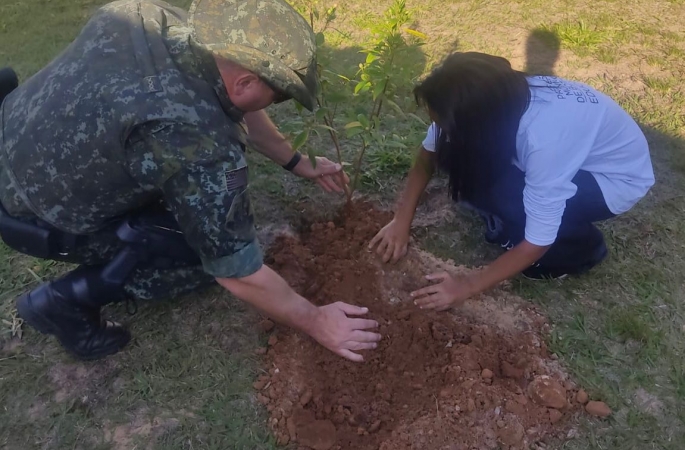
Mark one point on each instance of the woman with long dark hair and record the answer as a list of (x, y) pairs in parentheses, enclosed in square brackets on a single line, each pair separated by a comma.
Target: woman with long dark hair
[(540, 158)]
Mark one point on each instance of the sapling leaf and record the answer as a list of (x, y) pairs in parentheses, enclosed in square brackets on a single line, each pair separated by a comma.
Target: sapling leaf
[(320, 38), (312, 157), (417, 118), (352, 132), (363, 120), (353, 125), (336, 97), (326, 127), (371, 57), (394, 106), (321, 113), (300, 139), (379, 88), (394, 144), (417, 34)]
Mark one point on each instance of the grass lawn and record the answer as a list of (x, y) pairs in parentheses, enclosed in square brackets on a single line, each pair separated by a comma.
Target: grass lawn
[(185, 380)]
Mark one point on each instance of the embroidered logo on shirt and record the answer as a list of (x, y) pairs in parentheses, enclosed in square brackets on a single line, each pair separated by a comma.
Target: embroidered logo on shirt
[(236, 178)]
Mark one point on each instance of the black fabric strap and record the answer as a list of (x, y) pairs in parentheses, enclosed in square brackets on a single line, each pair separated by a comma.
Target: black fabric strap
[(293, 162)]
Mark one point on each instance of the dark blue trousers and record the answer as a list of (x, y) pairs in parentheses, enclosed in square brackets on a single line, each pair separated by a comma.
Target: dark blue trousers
[(579, 244)]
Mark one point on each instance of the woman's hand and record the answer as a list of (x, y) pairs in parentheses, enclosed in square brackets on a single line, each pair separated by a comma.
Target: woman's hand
[(392, 240), (449, 291)]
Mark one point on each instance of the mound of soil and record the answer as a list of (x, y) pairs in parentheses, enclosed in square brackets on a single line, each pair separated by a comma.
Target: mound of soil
[(477, 377)]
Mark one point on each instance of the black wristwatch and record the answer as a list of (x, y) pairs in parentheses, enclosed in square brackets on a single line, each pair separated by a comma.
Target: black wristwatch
[(293, 162)]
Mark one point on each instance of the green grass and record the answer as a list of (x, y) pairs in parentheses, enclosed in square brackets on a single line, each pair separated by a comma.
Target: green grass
[(619, 331), (578, 36)]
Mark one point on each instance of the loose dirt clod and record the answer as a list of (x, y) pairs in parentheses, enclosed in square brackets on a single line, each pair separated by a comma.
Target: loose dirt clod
[(434, 381), (555, 416), (266, 325), (306, 398), (598, 409), (318, 434), (582, 397)]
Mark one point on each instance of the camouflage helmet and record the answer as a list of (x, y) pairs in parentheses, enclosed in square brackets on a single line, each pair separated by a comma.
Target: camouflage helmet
[(267, 37)]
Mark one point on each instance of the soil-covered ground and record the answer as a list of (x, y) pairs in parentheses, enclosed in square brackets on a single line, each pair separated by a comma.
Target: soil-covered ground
[(477, 377)]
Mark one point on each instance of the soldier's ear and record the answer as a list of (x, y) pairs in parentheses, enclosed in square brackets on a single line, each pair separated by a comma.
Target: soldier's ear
[(246, 83)]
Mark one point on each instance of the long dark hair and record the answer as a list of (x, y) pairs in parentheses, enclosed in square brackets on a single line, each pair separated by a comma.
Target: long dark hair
[(478, 101)]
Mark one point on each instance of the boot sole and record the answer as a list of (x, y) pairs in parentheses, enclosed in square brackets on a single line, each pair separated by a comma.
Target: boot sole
[(26, 312)]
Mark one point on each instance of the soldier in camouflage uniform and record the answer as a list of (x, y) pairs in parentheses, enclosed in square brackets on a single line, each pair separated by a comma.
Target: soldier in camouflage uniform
[(126, 155)]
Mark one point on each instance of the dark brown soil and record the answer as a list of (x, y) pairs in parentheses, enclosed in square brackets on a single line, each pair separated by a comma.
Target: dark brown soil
[(479, 377)]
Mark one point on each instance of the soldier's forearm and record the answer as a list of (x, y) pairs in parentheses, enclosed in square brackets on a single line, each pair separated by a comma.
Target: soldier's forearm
[(266, 139), (271, 294)]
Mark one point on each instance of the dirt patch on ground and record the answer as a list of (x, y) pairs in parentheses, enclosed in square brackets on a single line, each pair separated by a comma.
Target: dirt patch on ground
[(648, 403), (436, 207), (87, 382), (142, 427), (478, 377)]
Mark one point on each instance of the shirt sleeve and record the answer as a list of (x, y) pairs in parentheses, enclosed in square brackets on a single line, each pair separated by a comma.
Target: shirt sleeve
[(548, 185), (205, 183), (430, 139)]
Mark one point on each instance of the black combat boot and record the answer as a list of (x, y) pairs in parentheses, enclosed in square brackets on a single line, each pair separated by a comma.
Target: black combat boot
[(63, 308)]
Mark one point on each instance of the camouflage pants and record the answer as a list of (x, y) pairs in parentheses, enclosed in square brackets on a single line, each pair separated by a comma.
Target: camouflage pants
[(146, 282)]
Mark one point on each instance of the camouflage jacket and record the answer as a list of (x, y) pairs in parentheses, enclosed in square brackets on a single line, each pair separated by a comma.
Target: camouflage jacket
[(128, 114)]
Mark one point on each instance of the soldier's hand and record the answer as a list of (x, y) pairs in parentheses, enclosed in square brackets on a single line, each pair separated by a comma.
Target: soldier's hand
[(343, 335), (327, 174)]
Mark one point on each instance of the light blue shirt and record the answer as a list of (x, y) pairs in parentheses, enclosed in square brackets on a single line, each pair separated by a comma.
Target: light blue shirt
[(570, 126)]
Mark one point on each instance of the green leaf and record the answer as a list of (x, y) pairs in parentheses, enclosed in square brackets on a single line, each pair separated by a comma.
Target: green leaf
[(312, 157), (370, 57), (417, 34), (353, 125), (379, 88), (320, 39), (326, 127), (417, 118), (336, 97), (394, 106), (364, 120), (321, 113), (360, 86), (394, 144), (300, 139), (352, 132)]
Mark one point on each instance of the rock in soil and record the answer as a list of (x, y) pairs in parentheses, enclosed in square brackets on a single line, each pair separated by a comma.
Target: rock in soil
[(598, 409), (547, 392), (424, 386)]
